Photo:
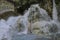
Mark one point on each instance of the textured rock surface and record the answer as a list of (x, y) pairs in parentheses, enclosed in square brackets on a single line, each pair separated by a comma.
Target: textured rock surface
[(6, 9), (6, 15), (44, 28), (5, 6)]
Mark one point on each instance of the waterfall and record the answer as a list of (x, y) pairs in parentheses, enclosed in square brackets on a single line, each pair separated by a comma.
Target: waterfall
[(35, 19), (19, 23), (55, 17), (36, 12)]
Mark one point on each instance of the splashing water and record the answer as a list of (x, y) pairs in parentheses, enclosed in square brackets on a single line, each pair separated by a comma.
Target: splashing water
[(18, 22), (4, 29), (14, 25)]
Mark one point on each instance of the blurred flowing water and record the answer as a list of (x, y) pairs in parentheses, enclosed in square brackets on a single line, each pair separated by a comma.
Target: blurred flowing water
[(34, 22), (55, 17)]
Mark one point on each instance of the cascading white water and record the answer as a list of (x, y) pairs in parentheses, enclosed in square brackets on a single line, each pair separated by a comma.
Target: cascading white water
[(14, 25), (35, 11), (54, 14), (19, 24), (4, 30)]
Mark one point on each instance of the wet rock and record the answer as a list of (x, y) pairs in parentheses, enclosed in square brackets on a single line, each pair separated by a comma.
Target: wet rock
[(58, 9), (44, 28), (39, 28), (6, 15), (54, 28), (5, 6), (6, 10), (21, 6)]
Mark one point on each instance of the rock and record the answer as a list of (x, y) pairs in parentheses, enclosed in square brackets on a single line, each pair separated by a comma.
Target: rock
[(5, 6), (54, 28), (6, 10), (5, 15), (58, 9), (21, 6), (39, 28), (44, 28)]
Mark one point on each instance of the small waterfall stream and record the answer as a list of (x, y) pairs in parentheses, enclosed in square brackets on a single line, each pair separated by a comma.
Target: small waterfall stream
[(55, 17)]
